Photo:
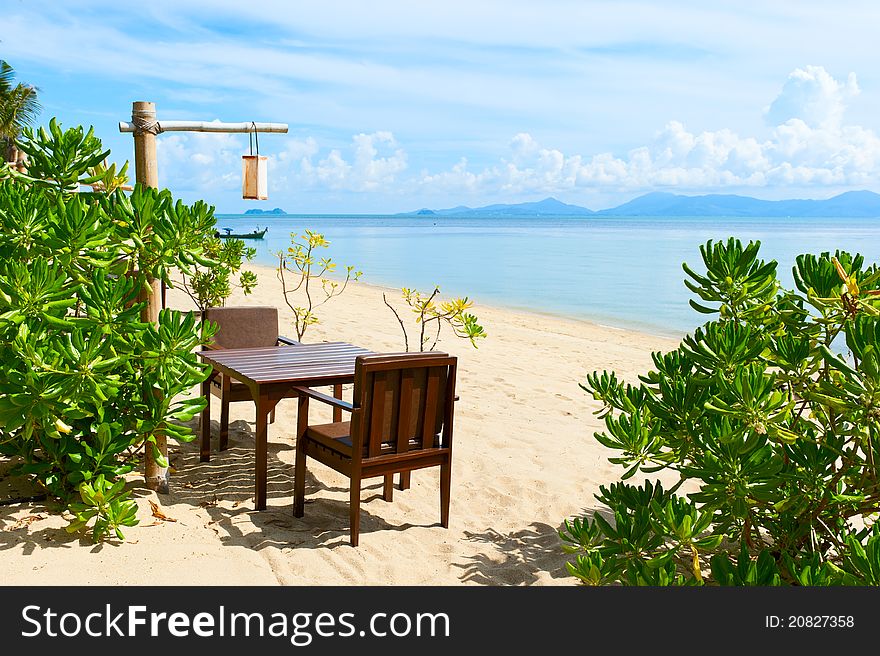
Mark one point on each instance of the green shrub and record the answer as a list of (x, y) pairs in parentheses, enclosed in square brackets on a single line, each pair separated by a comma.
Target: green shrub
[(771, 413), (84, 383), (210, 285)]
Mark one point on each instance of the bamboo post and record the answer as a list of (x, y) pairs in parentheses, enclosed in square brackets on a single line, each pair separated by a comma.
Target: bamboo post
[(143, 116)]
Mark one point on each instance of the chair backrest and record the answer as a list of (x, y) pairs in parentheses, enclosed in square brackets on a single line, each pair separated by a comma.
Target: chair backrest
[(244, 326), (402, 402)]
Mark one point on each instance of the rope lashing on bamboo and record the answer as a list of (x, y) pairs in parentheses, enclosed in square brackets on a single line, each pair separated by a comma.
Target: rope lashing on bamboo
[(145, 124)]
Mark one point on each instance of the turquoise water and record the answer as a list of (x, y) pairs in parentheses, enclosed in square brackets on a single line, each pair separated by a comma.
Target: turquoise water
[(623, 272)]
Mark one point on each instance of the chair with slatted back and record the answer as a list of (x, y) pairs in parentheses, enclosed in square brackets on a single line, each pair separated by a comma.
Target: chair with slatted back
[(401, 420), (239, 327)]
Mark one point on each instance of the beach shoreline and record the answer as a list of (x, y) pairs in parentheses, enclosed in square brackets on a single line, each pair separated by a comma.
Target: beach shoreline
[(264, 270), (524, 460)]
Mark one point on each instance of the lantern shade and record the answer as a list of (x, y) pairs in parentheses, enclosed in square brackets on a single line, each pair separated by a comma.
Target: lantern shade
[(254, 183)]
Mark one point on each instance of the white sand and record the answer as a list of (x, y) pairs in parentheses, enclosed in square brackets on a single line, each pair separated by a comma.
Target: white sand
[(524, 460)]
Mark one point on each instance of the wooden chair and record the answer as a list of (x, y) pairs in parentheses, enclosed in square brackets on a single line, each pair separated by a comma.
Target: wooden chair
[(239, 327), (401, 420)]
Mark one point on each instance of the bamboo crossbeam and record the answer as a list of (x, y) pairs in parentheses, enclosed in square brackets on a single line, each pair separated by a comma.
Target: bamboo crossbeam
[(208, 126)]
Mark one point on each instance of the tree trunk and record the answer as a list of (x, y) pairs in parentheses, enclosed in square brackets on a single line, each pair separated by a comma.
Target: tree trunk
[(10, 154), (20, 159)]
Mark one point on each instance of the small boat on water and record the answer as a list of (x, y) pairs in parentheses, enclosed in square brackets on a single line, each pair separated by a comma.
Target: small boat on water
[(228, 234)]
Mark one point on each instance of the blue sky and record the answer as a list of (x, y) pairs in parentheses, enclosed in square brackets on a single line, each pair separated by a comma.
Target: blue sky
[(394, 106)]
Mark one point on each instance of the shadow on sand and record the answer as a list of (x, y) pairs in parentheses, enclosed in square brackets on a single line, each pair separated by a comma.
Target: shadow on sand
[(224, 489), (525, 555)]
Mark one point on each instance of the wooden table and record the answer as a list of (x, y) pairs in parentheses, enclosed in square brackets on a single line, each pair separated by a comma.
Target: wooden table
[(270, 372)]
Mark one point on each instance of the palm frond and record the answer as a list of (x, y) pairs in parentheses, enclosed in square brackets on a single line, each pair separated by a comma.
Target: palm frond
[(19, 106), (7, 75)]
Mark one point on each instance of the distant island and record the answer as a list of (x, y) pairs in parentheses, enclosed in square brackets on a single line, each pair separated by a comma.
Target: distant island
[(277, 210), (546, 207), (854, 204)]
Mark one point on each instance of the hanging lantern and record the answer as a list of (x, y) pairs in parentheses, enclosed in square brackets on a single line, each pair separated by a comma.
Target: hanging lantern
[(254, 183)]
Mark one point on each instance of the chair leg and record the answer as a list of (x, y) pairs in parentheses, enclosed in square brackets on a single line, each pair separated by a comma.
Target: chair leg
[(299, 479), (404, 480), (355, 510), (272, 416), (388, 491), (445, 485), (205, 424), (224, 413)]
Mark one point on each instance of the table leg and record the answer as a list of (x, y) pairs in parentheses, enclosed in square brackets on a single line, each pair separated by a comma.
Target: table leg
[(337, 412), (205, 423), (261, 454)]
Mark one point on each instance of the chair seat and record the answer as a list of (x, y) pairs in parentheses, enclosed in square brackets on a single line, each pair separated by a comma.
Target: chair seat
[(337, 437)]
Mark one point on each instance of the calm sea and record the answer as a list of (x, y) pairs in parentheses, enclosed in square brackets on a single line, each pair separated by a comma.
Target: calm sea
[(623, 272)]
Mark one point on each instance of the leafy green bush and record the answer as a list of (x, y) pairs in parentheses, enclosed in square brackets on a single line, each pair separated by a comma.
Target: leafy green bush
[(210, 285), (771, 413), (84, 383)]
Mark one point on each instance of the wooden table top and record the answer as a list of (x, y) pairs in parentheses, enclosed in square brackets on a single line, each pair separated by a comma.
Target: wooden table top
[(287, 364)]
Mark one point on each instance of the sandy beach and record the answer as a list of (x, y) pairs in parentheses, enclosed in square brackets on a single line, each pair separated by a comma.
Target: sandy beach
[(524, 460)]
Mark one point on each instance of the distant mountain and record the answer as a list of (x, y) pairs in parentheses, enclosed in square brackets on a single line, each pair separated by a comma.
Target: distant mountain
[(277, 210), (546, 207), (850, 204), (665, 204)]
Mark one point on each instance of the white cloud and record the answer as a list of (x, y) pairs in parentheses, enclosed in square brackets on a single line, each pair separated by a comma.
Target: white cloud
[(458, 179), (332, 171), (523, 146), (809, 146), (375, 162), (298, 152), (370, 170), (812, 95)]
